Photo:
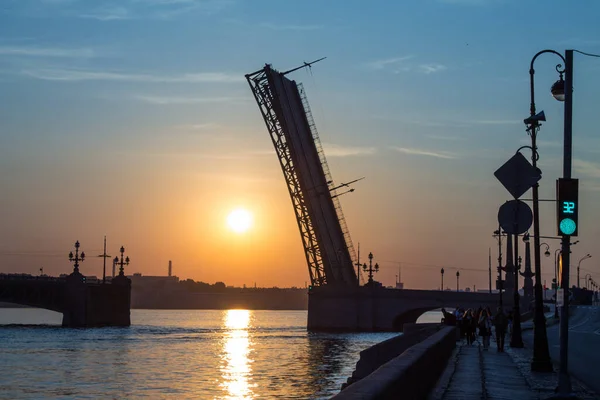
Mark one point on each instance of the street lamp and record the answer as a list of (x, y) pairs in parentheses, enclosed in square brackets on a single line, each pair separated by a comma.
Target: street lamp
[(588, 279), (457, 279), (578, 264), (541, 361), (77, 258), (370, 268), (556, 281), (516, 339), (122, 262), (498, 235), (442, 272)]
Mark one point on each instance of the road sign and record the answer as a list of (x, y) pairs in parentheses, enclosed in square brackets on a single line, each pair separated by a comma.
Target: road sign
[(515, 217), (560, 297), (517, 175)]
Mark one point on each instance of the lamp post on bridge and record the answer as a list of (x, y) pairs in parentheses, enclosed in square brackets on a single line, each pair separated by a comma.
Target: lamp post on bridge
[(457, 280), (516, 339), (122, 262), (498, 235), (371, 269), (578, 264), (588, 279), (442, 272), (541, 355), (77, 258)]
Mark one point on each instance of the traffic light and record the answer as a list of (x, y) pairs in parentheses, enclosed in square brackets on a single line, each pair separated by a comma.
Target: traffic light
[(567, 206)]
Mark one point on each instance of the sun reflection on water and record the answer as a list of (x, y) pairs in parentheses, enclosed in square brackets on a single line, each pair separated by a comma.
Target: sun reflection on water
[(236, 349)]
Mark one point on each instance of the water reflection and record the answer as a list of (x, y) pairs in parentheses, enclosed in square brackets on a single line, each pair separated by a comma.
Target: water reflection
[(236, 349)]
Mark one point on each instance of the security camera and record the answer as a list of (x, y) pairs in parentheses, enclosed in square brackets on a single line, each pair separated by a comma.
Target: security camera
[(534, 119)]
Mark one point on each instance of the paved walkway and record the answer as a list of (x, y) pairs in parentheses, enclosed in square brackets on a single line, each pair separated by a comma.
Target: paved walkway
[(480, 374), (473, 373)]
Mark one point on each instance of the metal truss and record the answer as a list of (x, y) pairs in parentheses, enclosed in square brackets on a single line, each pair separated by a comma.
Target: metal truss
[(264, 97)]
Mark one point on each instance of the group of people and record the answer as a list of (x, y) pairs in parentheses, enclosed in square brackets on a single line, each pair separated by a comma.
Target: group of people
[(480, 322)]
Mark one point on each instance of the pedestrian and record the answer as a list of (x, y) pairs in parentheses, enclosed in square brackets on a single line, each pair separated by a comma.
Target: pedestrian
[(501, 322), (485, 328), (470, 323), (509, 317)]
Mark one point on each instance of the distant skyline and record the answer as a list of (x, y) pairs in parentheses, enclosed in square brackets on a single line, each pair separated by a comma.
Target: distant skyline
[(132, 119)]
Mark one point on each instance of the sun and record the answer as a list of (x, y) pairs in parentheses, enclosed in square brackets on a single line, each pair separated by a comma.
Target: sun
[(239, 220)]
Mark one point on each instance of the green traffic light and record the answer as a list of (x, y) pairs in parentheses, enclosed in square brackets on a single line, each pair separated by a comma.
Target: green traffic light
[(567, 226)]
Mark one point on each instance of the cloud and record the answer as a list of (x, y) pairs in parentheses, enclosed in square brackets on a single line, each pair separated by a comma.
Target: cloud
[(445, 137), (30, 51), (334, 150), (108, 14), (200, 127), (277, 27), (427, 153), (470, 2), (166, 100), (587, 168), (431, 68), (400, 64), (161, 9), (495, 122), (381, 64), (72, 75)]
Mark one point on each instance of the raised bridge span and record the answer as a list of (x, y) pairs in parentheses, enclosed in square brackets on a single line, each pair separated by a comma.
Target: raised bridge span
[(335, 300)]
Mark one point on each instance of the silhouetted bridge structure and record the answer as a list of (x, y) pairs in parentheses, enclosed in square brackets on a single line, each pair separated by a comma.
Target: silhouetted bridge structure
[(371, 308), (335, 301), (81, 303)]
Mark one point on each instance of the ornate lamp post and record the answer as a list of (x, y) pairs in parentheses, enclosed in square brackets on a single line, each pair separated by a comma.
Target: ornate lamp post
[(442, 272), (541, 355), (556, 281), (457, 280), (498, 236), (371, 269), (516, 339), (122, 262), (578, 264), (527, 274), (78, 258)]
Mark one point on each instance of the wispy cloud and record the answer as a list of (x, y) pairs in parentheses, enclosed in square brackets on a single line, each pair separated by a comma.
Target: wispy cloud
[(290, 27), (587, 168), (161, 9), (30, 51), (431, 68), (199, 127), (445, 137), (427, 153), (334, 150), (166, 100), (471, 2), (404, 64), (108, 14), (73, 75), (494, 122), (387, 62)]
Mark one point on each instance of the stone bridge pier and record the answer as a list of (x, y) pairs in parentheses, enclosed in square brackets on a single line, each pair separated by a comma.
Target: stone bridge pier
[(373, 309)]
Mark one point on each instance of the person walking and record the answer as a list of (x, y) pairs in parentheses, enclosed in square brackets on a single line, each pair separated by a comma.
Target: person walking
[(469, 325), (485, 328), (501, 323)]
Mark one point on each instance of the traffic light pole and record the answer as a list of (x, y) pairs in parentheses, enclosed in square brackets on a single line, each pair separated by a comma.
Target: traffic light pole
[(564, 381)]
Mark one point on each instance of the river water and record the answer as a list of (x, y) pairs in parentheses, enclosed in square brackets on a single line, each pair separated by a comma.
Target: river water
[(191, 354)]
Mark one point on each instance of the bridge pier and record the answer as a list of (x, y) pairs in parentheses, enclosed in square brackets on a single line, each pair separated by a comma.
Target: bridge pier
[(94, 305), (373, 309)]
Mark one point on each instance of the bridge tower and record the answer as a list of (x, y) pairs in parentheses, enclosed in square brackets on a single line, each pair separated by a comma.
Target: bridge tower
[(325, 237)]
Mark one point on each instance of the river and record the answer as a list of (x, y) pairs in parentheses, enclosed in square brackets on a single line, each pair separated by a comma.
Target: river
[(191, 354)]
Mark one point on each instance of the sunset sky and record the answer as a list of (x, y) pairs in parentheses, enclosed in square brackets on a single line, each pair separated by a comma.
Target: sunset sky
[(132, 119)]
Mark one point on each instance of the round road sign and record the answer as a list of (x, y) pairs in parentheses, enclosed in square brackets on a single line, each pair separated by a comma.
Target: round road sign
[(515, 217)]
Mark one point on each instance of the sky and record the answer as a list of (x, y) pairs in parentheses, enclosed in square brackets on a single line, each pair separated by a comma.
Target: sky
[(133, 119)]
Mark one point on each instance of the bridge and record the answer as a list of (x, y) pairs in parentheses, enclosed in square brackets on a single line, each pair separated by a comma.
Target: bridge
[(82, 303), (335, 301)]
